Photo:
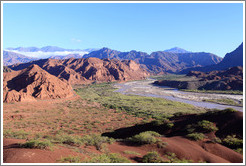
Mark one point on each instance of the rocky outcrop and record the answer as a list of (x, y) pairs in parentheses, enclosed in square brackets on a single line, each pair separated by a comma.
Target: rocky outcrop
[(33, 83), (85, 71), (231, 79)]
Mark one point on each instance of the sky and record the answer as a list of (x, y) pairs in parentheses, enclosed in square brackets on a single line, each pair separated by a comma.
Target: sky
[(147, 27)]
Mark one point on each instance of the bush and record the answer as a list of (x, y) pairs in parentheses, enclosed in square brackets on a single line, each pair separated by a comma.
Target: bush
[(152, 157), (196, 136), (97, 141), (190, 128), (207, 126), (21, 134), (174, 159), (108, 158), (163, 121), (232, 142), (70, 159), (131, 152), (216, 140), (37, 144), (68, 139), (147, 137), (228, 110)]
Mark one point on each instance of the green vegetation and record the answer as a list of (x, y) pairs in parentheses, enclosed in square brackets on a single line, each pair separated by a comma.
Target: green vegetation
[(204, 126), (70, 159), (172, 158), (67, 139), (20, 134), (139, 106), (131, 152), (216, 140), (163, 121), (108, 158), (75, 140), (152, 157), (239, 150), (172, 77), (196, 136), (147, 137), (219, 112), (97, 141), (37, 144), (207, 126), (225, 101), (232, 142), (214, 91)]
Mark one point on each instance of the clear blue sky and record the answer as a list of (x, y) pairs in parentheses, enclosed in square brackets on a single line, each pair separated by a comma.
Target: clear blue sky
[(214, 27)]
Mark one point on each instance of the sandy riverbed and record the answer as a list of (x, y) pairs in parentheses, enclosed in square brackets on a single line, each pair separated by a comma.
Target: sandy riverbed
[(146, 88)]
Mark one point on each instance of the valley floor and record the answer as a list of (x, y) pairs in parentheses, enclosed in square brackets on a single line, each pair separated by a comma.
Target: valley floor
[(78, 129), (146, 88)]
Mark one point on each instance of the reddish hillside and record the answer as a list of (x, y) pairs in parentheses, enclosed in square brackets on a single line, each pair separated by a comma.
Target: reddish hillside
[(83, 71), (33, 83)]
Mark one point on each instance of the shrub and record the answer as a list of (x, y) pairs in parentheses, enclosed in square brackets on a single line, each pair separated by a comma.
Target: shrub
[(239, 150), (131, 152), (152, 157), (232, 142), (207, 126), (196, 136), (169, 125), (163, 121), (161, 144), (21, 134), (37, 144), (108, 158), (97, 141), (177, 114), (68, 139), (228, 110), (147, 137), (174, 159), (157, 122), (216, 140), (190, 128), (70, 159)]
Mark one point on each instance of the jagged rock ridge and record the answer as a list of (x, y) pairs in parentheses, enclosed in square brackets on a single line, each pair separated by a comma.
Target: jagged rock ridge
[(33, 83), (84, 71)]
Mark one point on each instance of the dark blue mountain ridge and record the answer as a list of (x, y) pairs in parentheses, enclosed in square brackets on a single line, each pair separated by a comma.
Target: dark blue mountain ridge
[(232, 59), (160, 61)]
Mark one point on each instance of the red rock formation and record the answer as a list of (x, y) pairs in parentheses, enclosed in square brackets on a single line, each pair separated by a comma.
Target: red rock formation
[(84, 71), (33, 83)]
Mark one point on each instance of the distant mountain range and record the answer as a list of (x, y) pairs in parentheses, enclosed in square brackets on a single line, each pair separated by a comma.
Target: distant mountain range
[(49, 51), (45, 49), (234, 58), (177, 50), (161, 61), (174, 60), (10, 58)]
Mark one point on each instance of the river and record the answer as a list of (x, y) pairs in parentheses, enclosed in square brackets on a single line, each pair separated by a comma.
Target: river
[(146, 88)]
